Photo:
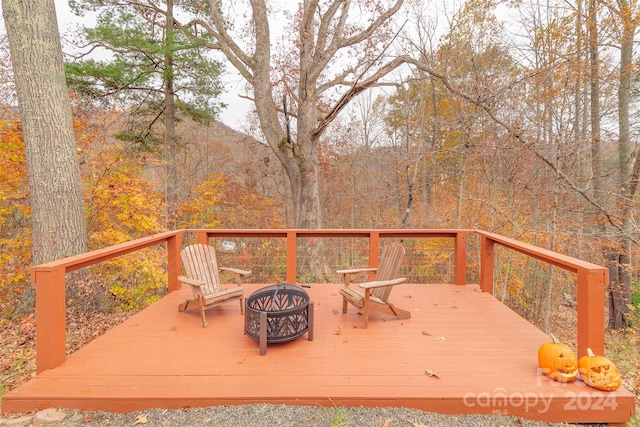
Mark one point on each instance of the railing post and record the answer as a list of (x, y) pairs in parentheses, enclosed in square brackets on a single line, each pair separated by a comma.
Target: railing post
[(460, 258), (174, 266), (202, 238), (487, 264), (50, 318), (591, 310), (292, 252), (374, 248)]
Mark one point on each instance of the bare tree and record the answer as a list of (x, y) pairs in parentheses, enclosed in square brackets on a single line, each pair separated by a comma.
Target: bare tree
[(292, 88), (627, 14)]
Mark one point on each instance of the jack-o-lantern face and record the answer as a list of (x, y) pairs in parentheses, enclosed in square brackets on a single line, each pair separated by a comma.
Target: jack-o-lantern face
[(558, 361), (599, 372)]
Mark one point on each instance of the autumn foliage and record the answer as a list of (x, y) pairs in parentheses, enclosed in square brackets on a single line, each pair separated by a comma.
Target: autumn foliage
[(15, 230), (121, 204)]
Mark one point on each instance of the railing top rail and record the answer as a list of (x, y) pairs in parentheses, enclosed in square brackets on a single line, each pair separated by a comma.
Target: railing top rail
[(76, 262), (331, 232), (559, 260), (328, 231)]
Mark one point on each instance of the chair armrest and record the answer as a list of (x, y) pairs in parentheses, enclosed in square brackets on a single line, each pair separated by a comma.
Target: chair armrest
[(235, 271), (190, 281), (382, 283), (347, 273), (241, 274), (358, 270)]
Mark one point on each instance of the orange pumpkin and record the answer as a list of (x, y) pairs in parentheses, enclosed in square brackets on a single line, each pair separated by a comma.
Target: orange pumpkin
[(558, 361), (599, 372)]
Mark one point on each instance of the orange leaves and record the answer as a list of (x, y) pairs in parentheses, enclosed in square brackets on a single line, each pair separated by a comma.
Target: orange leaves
[(120, 204), (220, 202), (136, 280), (203, 209), (13, 185), (15, 213), (17, 351)]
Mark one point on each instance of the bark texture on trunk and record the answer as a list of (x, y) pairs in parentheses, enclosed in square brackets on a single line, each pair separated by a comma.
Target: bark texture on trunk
[(59, 226)]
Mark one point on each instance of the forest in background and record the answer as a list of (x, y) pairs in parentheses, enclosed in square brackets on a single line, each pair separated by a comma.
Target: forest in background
[(491, 129), (500, 137)]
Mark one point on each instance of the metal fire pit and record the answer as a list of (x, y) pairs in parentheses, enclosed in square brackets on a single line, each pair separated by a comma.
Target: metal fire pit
[(278, 313)]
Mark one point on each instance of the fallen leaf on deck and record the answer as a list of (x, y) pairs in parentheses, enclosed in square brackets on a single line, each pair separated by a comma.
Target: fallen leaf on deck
[(432, 373), (439, 338), (408, 296), (426, 333), (141, 419)]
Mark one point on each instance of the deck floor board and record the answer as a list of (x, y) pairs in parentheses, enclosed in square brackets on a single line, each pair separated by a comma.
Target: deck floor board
[(485, 356)]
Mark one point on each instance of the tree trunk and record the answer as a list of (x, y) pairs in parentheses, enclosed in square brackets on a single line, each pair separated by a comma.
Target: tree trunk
[(59, 226), (305, 159), (609, 252), (460, 190), (322, 37), (620, 290), (170, 138), (548, 289)]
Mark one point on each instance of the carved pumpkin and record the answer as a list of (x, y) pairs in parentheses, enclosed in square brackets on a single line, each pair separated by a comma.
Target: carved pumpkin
[(558, 361), (599, 372)]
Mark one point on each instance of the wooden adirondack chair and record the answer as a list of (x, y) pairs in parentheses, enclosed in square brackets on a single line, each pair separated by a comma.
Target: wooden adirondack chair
[(375, 295), (203, 275)]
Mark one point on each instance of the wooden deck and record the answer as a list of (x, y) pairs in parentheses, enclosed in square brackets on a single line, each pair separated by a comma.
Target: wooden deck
[(485, 357)]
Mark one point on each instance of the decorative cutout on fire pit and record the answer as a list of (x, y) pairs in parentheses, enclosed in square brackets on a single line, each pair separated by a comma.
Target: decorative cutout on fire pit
[(278, 313)]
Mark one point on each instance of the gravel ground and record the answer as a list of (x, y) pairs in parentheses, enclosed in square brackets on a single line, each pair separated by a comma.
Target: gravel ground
[(266, 415)]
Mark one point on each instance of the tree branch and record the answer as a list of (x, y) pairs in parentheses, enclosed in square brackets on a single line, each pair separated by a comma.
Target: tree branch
[(355, 89), (516, 133)]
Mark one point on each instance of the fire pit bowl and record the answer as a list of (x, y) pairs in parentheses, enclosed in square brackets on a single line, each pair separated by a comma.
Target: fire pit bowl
[(278, 313)]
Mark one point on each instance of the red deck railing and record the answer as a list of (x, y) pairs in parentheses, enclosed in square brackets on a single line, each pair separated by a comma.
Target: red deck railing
[(50, 278)]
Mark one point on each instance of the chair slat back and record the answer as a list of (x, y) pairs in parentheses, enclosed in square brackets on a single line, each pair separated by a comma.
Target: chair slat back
[(199, 262), (388, 268)]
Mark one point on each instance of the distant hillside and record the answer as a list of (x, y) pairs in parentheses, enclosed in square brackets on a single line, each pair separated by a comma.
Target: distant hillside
[(221, 149)]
